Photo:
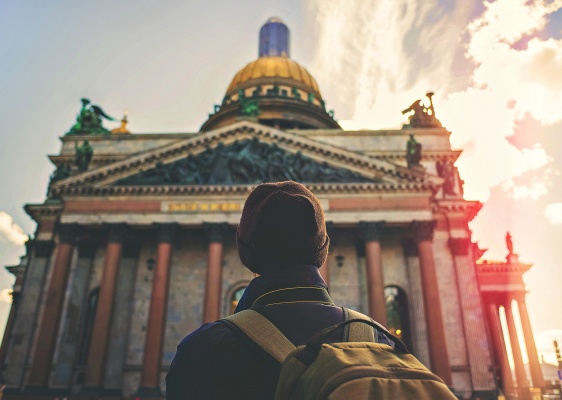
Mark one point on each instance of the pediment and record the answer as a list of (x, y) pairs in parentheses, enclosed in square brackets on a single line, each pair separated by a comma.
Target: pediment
[(243, 154)]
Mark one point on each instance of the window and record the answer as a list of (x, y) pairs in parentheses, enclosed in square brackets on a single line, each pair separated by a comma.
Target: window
[(235, 298), (398, 322)]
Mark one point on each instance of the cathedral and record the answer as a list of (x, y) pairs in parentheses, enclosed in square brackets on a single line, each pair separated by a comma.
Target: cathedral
[(135, 242)]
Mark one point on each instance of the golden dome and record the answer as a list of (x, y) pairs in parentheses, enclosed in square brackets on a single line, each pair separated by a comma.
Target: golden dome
[(274, 67)]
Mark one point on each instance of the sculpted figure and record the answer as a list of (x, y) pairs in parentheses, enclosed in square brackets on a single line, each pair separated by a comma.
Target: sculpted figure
[(62, 172), (509, 242), (446, 170), (89, 120), (422, 117), (413, 152), (83, 155)]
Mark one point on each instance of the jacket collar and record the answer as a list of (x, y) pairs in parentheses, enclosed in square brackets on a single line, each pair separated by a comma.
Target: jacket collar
[(288, 277)]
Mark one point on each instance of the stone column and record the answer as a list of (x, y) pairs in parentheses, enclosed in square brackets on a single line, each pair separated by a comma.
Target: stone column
[(371, 232), (213, 283), (49, 325), (520, 374), (100, 334), (500, 349), (423, 236), (150, 382), (534, 364), (324, 269)]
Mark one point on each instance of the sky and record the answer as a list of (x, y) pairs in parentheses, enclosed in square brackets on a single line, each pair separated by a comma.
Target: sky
[(494, 67)]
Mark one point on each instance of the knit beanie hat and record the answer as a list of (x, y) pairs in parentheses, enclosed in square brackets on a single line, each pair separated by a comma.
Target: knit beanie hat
[(282, 224)]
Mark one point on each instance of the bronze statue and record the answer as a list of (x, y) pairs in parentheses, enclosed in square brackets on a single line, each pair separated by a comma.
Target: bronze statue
[(83, 155), (446, 170), (422, 117), (249, 107), (509, 243), (62, 172), (413, 152), (89, 120)]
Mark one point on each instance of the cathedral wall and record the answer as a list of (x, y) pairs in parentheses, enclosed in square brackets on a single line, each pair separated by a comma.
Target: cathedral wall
[(346, 281), (121, 320), (187, 287), (26, 319), (72, 319), (452, 313), (234, 274), (139, 319), (420, 347), (380, 141), (120, 145)]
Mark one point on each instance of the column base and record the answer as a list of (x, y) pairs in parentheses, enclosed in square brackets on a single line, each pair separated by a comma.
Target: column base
[(148, 393)]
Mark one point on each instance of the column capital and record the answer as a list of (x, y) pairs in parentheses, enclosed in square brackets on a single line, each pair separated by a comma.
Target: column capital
[(68, 233), (423, 230), (216, 231), (43, 248), (460, 246), (371, 231), (117, 233), (166, 232), (410, 248)]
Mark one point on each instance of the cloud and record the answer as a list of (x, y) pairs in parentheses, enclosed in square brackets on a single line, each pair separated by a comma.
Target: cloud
[(9, 231), (6, 295), (385, 54), (553, 212)]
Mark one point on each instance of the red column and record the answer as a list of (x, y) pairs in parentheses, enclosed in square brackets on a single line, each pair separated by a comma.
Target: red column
[(371, 232), (49, 325), (423, 236), (535, 366), (150, 382), (213, 283), (500, 349), (100, 334), (515, 348)]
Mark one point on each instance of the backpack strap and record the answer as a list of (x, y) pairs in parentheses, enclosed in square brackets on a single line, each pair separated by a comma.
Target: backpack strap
[(263, 333), (359, 332)]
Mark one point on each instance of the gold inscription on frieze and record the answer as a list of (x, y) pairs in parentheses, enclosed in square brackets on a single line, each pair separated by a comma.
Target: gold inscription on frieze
[(203, 207)]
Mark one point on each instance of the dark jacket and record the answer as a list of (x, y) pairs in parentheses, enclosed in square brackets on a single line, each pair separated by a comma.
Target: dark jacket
[(214, 362)]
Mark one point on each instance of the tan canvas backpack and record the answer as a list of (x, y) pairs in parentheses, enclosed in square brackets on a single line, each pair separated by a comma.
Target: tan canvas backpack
[(357, 369)]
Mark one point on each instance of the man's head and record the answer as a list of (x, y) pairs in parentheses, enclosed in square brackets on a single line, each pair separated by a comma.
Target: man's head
[(282, 224)]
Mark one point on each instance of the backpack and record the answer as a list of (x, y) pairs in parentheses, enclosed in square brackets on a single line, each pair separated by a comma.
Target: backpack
[(357, 369)]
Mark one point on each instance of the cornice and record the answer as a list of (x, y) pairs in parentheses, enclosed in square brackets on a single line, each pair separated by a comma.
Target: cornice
[(366, 165), (175, 190), (43, 211), (468, 207), (502, 267)]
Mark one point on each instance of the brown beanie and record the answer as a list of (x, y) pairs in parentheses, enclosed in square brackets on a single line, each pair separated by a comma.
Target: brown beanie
[(282, 224)]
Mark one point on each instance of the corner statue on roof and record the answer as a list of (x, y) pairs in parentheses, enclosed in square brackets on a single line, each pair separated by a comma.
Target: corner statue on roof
[(422, 117), (89, 120)]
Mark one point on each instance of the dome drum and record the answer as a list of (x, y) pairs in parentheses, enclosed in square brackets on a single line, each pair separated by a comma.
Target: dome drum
[(284, 113)]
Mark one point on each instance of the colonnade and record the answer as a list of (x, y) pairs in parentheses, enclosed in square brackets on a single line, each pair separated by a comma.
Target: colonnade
[(493, 303), (421, 231)]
